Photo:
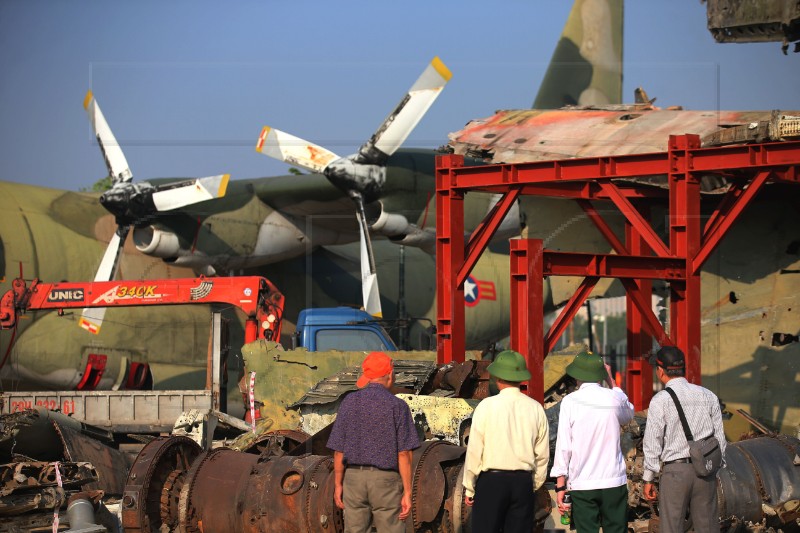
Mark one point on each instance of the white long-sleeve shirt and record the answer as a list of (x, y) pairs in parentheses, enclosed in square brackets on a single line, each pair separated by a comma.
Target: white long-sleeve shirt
[(509, 432), (587, 445)]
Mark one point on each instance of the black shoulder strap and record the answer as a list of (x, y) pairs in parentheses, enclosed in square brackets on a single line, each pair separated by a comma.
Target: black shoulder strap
[(682, 416)]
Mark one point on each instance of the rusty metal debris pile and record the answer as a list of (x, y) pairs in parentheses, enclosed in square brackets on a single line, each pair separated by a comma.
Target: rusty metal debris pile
[(51, 462), (174, 486), (283, 480)]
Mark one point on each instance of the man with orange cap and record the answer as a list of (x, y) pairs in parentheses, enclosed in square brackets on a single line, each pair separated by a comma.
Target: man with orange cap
[(372, 440)]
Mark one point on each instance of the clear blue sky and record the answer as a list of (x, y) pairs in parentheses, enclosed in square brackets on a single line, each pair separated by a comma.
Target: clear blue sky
[(187, 85)]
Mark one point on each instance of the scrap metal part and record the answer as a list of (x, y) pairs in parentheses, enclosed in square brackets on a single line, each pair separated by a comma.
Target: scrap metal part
[(751, 21), (761, 484), (50, 436), (152, 477), (530, 135), (31, 491), (227, 490)]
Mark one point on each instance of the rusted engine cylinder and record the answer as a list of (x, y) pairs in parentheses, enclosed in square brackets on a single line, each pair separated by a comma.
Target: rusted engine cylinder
[(761, 483), (227, 490), (173, 486)]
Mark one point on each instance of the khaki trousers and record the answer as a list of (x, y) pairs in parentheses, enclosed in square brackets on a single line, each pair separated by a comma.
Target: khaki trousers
[(372, 496)]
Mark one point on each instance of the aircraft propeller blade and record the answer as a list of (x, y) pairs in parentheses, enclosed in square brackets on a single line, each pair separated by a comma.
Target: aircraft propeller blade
[(92, 318), (369, 277), (131, 202), (294, 150), (185, 193), (404, 118), (363, 175), (112, 153)]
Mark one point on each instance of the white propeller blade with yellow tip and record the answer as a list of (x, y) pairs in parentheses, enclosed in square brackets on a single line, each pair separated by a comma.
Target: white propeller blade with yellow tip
[(131, 202), (362, 175)]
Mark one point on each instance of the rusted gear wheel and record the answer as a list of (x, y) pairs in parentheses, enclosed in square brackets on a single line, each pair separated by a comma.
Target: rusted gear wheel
[(428, 483), (150, 473), (170, 498), (452, 475)]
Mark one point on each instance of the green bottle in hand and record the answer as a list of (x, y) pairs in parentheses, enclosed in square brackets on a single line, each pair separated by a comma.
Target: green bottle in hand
[(565, 518)]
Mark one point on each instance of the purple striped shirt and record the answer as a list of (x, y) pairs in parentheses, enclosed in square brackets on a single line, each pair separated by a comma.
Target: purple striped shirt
[(372, 426)]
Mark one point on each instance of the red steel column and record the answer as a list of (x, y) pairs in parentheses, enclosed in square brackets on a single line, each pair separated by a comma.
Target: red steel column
[(450, 331), (685, 234), (527, 309), (638, 373)]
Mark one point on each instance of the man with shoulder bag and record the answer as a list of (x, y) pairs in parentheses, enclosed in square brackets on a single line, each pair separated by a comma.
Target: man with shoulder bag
[(684, 434)]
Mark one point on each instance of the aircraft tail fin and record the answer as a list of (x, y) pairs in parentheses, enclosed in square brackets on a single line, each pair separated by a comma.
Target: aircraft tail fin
[(586, 67)]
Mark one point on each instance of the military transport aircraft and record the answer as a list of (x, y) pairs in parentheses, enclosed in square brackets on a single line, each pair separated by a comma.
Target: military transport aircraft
[(300, 231)]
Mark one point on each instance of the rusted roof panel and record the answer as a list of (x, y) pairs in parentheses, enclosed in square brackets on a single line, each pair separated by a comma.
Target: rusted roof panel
[(515, 136)]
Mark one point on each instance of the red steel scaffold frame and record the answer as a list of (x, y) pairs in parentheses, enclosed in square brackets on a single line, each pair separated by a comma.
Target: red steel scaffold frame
[(642, 258)]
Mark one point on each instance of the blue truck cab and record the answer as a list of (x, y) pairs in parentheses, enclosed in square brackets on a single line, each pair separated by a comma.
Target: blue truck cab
[(340, 328)]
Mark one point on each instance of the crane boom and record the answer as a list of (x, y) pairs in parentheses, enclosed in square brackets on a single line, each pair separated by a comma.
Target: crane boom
[(256, 296)]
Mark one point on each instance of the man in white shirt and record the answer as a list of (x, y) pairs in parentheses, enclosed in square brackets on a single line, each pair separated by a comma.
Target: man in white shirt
[(588, 461), (507, 452)]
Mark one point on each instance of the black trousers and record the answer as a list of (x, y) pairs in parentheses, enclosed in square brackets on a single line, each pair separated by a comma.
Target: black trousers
[(504, 502)]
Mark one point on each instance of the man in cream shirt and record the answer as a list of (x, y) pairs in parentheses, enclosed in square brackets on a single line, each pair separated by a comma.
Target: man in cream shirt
[(507, 452)]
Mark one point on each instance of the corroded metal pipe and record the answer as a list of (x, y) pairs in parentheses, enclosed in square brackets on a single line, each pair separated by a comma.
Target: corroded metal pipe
[(225, 490), (761, 482), (232, 491)]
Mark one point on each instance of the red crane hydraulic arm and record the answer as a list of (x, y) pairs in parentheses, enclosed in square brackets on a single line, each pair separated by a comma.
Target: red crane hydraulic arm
[(257, 297)]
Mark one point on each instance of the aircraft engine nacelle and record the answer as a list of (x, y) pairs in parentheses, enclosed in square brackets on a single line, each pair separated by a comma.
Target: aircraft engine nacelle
[(398, 229), (166, 245), (157, 243), (389, 224)]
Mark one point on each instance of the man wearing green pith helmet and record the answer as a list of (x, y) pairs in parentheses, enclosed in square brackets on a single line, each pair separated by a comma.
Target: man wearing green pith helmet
[(588, 461), (507, 452)]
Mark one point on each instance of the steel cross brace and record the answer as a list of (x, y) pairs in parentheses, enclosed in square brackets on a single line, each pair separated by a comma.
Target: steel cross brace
[(590, 179)]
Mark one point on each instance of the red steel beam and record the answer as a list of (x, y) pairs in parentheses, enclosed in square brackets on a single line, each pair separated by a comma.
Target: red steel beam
[(450, 334), (725, 220), (613, 266), (638, 372), (568, 312), (734, 192), (527, 302), (602, 227), (482, 235), (579, 190), (636, 219), (684, 238)]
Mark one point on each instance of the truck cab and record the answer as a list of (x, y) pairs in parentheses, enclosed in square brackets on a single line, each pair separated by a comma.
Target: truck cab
[(340, 328)]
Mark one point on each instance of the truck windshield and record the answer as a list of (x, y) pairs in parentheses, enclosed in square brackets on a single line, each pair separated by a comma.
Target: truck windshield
[(361, 340)]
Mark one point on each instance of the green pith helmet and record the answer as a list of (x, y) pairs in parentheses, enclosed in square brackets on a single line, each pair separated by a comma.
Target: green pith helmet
[(509, 366), (587, 367)]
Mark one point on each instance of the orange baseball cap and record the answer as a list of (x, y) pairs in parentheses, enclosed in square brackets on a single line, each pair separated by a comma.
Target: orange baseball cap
[(375, 365)]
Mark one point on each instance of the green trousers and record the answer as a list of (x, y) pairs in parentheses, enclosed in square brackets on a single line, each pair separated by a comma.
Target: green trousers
[(606, 508)]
